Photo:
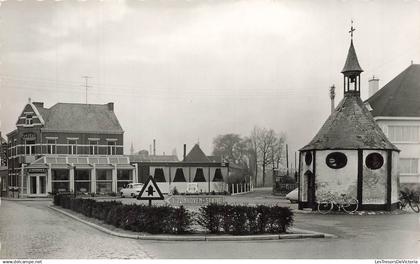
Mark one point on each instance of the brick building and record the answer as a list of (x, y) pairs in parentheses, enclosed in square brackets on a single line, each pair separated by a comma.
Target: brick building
[(67, 147), (3, 166)]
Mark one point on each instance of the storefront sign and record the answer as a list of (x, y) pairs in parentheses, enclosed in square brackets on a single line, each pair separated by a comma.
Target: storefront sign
[(37, 170)]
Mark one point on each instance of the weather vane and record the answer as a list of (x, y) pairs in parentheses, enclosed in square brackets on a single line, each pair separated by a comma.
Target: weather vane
[(352, 29)]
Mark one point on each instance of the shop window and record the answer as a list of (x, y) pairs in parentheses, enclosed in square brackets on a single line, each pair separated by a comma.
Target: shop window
[(336, 160), (199, 176), (124, 177), (104, 187), (374, 161), (104, 175), (60, 180), (103, 181), (82, 175), (308, 158), (63, 186), (179, 175), (82, 187), (60, 175), (218, 177), (159, 175)]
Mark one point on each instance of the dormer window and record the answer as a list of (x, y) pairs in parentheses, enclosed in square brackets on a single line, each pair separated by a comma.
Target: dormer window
[(28, 119)]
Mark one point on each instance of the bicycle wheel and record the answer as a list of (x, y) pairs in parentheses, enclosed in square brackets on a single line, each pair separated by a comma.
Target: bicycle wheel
[(325, 206), (402, 204), (350, 205), (414, 206)]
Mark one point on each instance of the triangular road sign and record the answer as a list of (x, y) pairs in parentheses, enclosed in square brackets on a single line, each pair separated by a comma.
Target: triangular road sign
[(150, 191)]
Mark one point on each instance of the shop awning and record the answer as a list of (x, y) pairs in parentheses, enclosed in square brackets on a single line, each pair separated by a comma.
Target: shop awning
[(124, 167)]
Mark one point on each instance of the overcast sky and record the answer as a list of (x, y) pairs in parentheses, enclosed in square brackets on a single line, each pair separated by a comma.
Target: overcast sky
[(183, 71)]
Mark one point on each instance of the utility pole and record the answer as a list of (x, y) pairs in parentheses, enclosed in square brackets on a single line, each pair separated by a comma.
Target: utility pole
[(287, 159), (86, 86)]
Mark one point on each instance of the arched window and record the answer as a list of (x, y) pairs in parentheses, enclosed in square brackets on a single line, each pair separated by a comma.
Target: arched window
[(308, 158), (179, 175), (218, 177), (159, 175), (374, 161), (199, 176), (336, 160)]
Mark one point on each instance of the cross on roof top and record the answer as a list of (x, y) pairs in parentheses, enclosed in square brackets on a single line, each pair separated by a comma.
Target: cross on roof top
[(352, 29)]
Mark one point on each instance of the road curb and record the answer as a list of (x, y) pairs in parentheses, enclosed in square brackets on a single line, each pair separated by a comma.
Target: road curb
[(301, 233)]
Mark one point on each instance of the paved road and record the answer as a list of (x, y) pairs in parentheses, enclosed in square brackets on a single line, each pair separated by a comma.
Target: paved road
[(376, 236), (31, 230)]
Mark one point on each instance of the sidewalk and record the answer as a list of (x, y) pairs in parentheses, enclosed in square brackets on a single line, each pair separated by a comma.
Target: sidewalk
[(25, 199)]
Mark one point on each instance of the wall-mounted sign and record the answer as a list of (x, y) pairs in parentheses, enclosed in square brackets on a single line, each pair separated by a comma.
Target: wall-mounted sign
[(37, 170), (29, 136)]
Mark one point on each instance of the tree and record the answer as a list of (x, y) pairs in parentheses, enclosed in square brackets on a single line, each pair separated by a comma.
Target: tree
[(266, 140), (277, 150), (253, 151), (231, 147)]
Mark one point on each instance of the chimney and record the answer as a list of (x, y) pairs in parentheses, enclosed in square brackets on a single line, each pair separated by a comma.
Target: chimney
[(38, 104), (110, 106), (332, 96), (185, 150), (373, 86), (154, 147)]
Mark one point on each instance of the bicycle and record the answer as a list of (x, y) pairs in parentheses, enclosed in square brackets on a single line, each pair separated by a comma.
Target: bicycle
[(409, 198), (348, 204)]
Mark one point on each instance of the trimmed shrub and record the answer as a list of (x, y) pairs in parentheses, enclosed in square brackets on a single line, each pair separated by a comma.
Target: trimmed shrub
[(216, 218), (138, 218), (242, 220)]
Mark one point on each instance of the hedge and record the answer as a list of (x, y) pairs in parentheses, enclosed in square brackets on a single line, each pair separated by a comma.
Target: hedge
[(215, 218), (245, 220), (138, 218)]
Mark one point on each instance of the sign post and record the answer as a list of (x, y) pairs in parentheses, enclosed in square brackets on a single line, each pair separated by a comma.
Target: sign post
[(150, 191)]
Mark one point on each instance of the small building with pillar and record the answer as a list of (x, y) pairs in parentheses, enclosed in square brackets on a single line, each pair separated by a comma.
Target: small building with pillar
[(350, 154)]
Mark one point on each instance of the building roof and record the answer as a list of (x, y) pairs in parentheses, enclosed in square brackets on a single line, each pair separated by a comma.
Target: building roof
[(352, 63), (80, 117), (153, 158), (350, 126), (196, 155), (400, 96)]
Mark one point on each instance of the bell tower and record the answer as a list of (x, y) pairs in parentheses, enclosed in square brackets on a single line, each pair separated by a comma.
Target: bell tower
[(352, 69)]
